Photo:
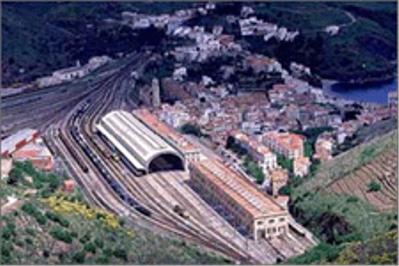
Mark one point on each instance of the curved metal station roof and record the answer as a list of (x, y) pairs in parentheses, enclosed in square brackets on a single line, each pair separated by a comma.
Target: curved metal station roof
[(138, 143)]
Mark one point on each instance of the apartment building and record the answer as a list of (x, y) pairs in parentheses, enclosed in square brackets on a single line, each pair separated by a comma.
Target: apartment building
[(288, 144)]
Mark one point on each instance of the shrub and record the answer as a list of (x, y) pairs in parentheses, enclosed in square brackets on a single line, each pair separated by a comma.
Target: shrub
[(322, 252), (61, 234), (191, 130), (373, 186), (285, 163), (57, 218), (85, 238), (99, 243), (352, 199), (33, 211), (28, 241), (103, 259), (79, 257), (90, 247), (120, 253), (30, 231)]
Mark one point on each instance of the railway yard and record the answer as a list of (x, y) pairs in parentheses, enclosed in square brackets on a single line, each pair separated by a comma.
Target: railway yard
[(67, 115)]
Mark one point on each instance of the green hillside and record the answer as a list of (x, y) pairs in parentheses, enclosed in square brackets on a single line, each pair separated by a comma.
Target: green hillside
[(50, 227), (363, 51), (38, 38), (344, 223)]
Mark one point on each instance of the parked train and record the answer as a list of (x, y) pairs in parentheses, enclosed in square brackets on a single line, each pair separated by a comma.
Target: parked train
[(115, 185)]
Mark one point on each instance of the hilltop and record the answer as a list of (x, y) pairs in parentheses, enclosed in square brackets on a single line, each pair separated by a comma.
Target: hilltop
[(41, 37), (350, 204), (46, 225)]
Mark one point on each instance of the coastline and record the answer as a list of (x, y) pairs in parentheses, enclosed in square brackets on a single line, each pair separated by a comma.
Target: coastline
[(371, 92)]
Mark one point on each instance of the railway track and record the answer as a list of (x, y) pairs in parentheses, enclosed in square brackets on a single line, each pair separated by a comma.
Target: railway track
[(104, 101), (109, 185)]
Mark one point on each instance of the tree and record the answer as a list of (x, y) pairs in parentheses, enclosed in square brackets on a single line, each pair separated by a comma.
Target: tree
[(308, 149), (191, 130), (285, 163), (253, 170), (54, 182), (15, 176)]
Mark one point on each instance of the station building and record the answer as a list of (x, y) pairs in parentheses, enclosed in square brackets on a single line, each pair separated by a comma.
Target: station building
[(189, 151), (260, 214), (144, 149)]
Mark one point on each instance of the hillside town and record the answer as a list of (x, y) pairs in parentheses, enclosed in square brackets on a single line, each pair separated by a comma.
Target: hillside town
[(201, 136), (266, 121)]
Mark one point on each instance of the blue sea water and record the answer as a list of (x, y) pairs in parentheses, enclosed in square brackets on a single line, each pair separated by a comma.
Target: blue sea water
[(376, 93)]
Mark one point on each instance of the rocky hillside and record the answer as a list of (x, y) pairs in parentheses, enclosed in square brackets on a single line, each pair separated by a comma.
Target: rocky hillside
[(46, 226)]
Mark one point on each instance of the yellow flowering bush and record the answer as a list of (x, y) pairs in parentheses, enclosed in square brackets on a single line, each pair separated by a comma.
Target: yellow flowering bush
[(62, 206)]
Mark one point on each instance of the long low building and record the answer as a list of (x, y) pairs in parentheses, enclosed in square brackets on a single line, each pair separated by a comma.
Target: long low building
[(141, 146), (261, 215), (17, 140)]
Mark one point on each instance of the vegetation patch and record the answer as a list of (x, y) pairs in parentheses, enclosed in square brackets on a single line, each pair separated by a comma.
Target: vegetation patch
[(343, 221)]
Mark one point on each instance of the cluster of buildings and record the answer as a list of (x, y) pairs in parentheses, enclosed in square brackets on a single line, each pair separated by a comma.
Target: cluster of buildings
[(71, 73), (253, 26), (205, 45), (169, 22), (25, 145), (143, 137), (260, 121), (165, 21)]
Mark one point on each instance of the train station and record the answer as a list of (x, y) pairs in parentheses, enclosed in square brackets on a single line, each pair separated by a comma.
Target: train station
[(259, 214), (142, 147)]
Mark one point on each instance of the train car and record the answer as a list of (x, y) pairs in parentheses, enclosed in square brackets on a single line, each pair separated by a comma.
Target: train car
[(181, 212), (115, 185), (143, 210), (77, 158), (115, 157)]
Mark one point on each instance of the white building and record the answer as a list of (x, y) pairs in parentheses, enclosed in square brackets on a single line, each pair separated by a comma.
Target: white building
[(97, 61), (141, 146), (263, 155), (68, 74)]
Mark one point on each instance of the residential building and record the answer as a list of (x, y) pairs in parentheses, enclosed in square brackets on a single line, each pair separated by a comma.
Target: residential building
[(323, 149), (288, 144), (278, 179), (259, 152), (6, 166), (68, 186), (301, 166)]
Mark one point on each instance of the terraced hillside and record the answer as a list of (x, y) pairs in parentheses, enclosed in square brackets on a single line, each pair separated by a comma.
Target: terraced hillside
[(350, 202), (382, 171)]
